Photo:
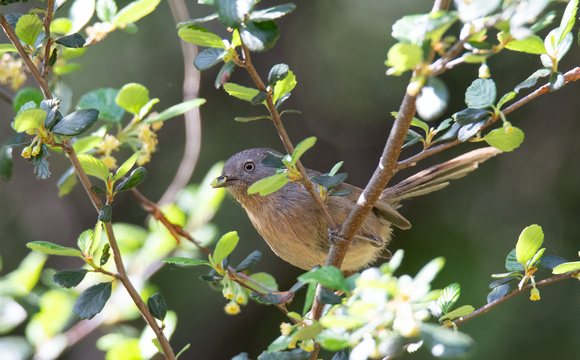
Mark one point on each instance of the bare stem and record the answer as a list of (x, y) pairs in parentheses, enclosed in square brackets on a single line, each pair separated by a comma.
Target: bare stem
[(496, 302), (33, 69), (192, 118), (247, 64)]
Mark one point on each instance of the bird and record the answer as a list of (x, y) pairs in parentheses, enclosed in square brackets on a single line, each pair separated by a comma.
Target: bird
[(293, 225)]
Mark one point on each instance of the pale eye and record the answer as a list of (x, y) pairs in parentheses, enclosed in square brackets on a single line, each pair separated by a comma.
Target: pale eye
[(249, 166)]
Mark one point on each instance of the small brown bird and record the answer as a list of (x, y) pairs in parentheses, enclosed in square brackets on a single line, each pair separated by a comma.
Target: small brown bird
[(293, 225)]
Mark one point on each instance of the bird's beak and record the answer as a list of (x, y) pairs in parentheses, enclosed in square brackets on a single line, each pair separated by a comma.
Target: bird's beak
[(222, 181)]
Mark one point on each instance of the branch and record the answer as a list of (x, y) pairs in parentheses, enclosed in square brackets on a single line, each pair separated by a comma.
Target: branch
[(247, 64), (33, 69), (496, 302), (192, 121), (570, 76)]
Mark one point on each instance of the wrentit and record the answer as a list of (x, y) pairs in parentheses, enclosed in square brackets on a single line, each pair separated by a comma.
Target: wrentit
[(293, 224)]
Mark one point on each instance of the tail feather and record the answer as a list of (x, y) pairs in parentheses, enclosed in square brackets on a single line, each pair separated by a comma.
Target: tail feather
[(438, 176)]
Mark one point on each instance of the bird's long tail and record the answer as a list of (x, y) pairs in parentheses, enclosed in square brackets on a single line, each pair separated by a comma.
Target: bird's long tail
[(438, 176)]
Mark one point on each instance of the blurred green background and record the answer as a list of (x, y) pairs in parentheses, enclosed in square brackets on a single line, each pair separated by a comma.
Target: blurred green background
[(336, 49)]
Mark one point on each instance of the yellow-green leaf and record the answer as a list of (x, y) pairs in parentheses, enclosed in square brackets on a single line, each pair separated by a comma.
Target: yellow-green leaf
[(28, 28), (132, 97), (134, 11), (529, 243), (29, 119)]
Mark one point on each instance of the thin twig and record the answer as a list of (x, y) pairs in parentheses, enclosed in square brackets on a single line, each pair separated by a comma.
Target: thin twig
[(496, 302), (192, 121), (247, 64), (67, 147), (570, 76)]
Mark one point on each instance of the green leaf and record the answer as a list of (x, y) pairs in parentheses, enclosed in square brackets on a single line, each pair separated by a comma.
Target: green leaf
[(29, 119), (421, 124), (557, 80), (448, 297), (260, 36), (475, 9), (446, 342), (92, 301), (532, 45), (329, 181), (551, 261), (241, 92), (233, 12), (208, 58), (77, 122), (106, 9), (251, 118), (25, 95), (415, 29), (182, 351), (498, 292), (191, 22), (471, 116), (67, 182), (333, 340), (277, 72), (94, 166), (429, 271), (81, 11), (328, 276), (268, 185), (566, 267), (459, 312), (284, 86), (127, 165), (105, 254), (28, 28), (69, 278), (175, 110), (507, 97), (200, 36), (301, 148), (506, 138), (104, 100), (134, 11), (137, 177), (249, 261), (105, 214), (480, 94), (512, 264), (157, 306), (132, 97), (411, 138), (260, 98), (568, 19), (85, 241), (225, 246), (74, 41), (403, 56), (52, 249), (533, 79), (185, 261), (534, 260), (529, 243), (265, 279), (224, 74), (272, 13), (4, 48)]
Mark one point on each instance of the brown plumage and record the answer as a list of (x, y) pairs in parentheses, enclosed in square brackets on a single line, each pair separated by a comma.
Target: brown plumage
[(293, 225)]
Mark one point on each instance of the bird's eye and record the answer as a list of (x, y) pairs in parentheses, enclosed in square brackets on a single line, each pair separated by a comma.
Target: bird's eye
[(249, 166)]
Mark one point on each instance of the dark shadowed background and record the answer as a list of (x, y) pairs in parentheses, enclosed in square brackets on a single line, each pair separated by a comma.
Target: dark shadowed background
[(336, 50)]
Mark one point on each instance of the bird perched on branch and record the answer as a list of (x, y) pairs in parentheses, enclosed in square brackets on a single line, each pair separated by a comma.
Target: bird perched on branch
[(294, 226)]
